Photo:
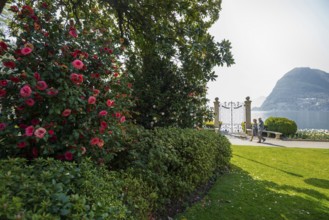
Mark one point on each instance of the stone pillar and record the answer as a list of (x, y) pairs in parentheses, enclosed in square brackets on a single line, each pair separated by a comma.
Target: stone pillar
[(216, 115), (247, 106)]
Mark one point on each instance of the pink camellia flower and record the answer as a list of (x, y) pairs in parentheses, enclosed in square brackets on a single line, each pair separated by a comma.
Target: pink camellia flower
[(40, 132), (78, 64), (94, 141), (3, 93), (100, 143), (21, 144), (52, 92), (66, 112), (109, 103), (102, 113), (51, 132), (122, 119), (76, 78), (9, 64), (27, 9), (2, 126), (41, 85), (26, 50), (103, 124), (3, 47), (91, 100), (73, 32), (68, 155), (14, 79), (30, 102), (3, 83), (35, 121), (14, 8), (95, 92), (117, 114), (37, 76), (26, 91), (29, 130)]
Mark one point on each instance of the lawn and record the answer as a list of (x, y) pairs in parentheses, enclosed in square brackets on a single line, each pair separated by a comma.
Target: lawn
[(268, 183)]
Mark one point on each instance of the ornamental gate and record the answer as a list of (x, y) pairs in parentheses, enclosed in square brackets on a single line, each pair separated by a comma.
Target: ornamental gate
[(229, 116)]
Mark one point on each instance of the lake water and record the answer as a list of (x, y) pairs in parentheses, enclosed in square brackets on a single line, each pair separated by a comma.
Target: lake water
[(303, 119)]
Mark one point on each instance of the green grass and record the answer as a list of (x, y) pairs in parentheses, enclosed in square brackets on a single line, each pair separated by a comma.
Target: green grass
[(269, 183)]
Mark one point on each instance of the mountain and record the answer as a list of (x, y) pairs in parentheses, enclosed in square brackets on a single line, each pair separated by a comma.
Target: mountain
[(300, 89), (256, 103)]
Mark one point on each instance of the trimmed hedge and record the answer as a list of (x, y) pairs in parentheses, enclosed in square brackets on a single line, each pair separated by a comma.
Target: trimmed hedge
[(158, 169), (284, 125), (174, 162)]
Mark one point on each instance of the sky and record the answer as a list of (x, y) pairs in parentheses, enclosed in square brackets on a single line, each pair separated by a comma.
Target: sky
[(269, 38)]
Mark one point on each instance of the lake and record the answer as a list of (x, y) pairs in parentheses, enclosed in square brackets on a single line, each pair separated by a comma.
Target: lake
[(303, 119)]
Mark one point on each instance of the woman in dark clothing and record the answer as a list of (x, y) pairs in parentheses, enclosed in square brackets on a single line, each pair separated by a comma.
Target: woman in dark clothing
[(260, 130), (254, 131)]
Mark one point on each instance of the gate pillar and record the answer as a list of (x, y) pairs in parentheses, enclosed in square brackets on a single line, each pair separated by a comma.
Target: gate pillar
[(247, 105), (216, 115)]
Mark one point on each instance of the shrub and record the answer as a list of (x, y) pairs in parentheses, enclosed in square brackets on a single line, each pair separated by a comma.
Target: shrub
[(62, 89), (283, 125), (174, 162), (55, 190)]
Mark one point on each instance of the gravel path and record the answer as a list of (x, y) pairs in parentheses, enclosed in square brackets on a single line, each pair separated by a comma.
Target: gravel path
[(272, 142)]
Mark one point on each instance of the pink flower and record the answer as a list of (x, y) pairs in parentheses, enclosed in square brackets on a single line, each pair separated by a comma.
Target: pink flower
[(102, 113), (9, 64), (103, 124), (117, 114), (30, 102), (109, 103), (94, 141), (40, 132), (26, 50), (26, 91), (95, 92), (41, 85), (29, 131), (91, 100), (76, 78), (2, 126), (3, 93), (3, 82), (35, 121), (52, 92), (100, 143), (122, 119), (21, 144), (37, 76), (73, 32), (51, 132), (78, 64), (68, 155), (66, 112)]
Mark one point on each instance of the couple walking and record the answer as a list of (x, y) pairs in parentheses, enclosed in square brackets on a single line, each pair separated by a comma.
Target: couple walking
[(257, 130)]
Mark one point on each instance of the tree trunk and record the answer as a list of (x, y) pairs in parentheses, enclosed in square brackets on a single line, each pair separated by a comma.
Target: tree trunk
[(2, 5)]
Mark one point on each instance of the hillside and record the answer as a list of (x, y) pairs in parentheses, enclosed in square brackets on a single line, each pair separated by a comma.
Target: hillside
[(300, 89)]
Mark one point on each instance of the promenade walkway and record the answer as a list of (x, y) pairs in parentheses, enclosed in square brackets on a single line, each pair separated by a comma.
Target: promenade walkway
[(272, 142)]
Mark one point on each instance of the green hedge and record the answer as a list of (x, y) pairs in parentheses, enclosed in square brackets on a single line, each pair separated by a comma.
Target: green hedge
[(174, 162), (157, 169), (284, 125)]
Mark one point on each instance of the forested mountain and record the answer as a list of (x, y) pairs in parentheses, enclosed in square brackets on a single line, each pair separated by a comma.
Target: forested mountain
[(300, 89)]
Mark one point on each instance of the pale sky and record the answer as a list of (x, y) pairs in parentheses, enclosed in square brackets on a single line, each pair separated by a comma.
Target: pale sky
[(269, 38)]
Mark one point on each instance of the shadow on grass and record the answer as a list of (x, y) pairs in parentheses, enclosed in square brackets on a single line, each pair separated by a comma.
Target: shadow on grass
[(255, 161), (238, 196), (318, 182)]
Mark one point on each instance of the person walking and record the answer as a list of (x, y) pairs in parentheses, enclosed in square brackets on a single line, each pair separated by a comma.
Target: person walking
[(260, 130), (254, 131)]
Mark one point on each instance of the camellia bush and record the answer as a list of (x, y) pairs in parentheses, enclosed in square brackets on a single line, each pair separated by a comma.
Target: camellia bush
[(63, 89)]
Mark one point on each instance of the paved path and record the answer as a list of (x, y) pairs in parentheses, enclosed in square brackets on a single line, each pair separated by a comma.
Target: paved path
[(272, 142)]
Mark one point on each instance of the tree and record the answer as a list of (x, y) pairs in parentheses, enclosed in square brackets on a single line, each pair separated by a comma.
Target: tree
[(164, 40)]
